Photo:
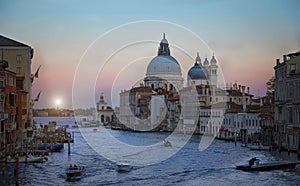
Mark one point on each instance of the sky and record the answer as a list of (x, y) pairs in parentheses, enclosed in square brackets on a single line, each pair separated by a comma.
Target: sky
[(245, 36)]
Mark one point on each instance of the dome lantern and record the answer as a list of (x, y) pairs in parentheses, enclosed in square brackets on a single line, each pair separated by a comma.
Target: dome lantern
[(163, 49), (198, 60)]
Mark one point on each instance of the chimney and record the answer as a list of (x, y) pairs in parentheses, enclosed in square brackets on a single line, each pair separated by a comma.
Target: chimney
[(284, 58), (239, 88), (277, 61), (248, 90)]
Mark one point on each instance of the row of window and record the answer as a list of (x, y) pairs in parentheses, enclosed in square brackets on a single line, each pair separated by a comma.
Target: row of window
[(228, 121), (209, 114)]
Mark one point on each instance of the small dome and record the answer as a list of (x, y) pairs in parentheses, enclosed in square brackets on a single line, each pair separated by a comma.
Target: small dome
[(163, 65), (197, 72)]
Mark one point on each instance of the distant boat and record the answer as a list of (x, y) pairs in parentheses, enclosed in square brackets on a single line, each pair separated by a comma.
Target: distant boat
[(260, 147), (30, 159), (124, 166), (75, 171), (167, 143), (280, 165)]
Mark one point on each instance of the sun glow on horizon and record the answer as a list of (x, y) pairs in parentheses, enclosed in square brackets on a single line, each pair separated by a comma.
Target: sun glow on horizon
[(57, 102)]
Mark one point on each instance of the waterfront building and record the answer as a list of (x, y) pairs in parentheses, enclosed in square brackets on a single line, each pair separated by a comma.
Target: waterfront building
[(211, 119), (105, 114), (287, 99), (8, 106), (267, 109), (243, 120), (19, 56), (134, 107)]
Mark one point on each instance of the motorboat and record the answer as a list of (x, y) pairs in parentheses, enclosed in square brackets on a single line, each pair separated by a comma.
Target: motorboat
[(124, 166), (30, 159), (167, 143), (75, 171), (278, 165)]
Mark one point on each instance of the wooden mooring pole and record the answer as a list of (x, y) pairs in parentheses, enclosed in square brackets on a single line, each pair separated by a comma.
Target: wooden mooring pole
[(3, 157)]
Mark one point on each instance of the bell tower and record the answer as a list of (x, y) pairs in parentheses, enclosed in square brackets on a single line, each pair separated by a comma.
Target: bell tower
[(213, 71)]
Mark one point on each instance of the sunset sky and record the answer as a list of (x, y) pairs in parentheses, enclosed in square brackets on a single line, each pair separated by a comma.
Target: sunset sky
[(245, 36)]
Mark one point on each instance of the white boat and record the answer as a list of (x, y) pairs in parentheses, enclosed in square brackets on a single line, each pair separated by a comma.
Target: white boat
[(244, 145), (124, 166), (30, 159)]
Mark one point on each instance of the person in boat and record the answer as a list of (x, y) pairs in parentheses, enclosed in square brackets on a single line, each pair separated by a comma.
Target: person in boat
[(251, 161)]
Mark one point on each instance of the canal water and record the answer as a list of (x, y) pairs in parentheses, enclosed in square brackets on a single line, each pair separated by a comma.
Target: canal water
[(189, 166)]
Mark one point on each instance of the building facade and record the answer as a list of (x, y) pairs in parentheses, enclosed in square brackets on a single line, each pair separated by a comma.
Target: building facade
[(287, 101), (19, 57), (105, 114), (8, 106), (267, 109)]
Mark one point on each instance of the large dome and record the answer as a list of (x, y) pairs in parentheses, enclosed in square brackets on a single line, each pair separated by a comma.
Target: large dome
[(163, 65)]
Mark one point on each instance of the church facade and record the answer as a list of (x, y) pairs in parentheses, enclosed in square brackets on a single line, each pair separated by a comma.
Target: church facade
[(164, 103)]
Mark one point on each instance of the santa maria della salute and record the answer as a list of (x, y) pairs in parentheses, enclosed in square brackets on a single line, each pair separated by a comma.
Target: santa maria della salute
[(164, 103), (164, 71)]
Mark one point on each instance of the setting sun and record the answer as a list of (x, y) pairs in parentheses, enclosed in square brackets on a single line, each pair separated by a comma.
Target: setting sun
[(57, 102)]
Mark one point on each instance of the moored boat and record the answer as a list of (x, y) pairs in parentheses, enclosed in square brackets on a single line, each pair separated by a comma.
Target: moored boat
[(75, 171), (30, 159), (52, 147), (260, 147)]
